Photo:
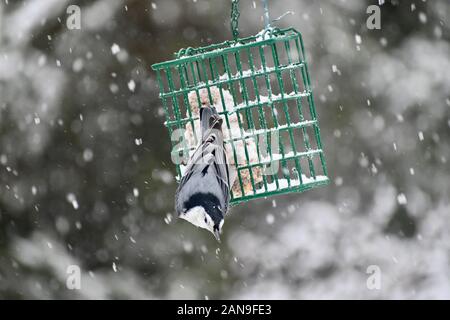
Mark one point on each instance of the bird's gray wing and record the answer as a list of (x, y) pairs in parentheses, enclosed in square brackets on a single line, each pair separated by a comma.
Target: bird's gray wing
[(209, 155), (195, 164), (197, 161), (220, 166)]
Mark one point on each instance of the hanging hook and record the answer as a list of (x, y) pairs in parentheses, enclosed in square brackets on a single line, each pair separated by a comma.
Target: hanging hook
[(282, 16), (235, 14)]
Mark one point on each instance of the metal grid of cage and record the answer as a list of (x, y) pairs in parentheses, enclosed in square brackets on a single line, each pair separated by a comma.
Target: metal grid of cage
[(262, 89)]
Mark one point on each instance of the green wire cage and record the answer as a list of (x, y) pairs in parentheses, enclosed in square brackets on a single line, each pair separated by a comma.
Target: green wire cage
[(262, 89)]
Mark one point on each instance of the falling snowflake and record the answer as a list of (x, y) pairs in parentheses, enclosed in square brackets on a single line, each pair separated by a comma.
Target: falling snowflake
[(131, 85), (73, 200), (88, 155), (168, 218), (270, 219), (401, 199), (422, 17), (420, 134), (115, 49)]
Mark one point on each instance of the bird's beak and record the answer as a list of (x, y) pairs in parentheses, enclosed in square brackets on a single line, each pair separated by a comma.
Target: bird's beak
[(217, 234)]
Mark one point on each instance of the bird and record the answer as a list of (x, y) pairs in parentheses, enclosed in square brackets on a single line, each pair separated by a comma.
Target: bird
[(222, 100), (203, 195)]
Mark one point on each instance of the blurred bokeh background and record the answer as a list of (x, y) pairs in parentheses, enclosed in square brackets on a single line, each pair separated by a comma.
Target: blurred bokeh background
[(86, 177)]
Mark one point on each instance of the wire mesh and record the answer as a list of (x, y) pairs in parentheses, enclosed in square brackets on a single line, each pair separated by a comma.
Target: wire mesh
[(261, 87)]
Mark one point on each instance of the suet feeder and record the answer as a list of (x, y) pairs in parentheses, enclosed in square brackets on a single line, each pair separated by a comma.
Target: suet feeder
[(268, 79)]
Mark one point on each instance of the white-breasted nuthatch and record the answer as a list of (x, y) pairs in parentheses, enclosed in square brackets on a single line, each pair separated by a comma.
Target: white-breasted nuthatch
[(203, 194), (222, 100)]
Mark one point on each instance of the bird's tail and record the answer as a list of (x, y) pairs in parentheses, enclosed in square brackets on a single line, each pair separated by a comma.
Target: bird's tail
[(209, 119)]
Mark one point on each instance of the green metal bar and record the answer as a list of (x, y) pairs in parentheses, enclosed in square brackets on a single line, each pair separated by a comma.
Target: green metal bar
[(215, 74), (299, 155), (249, 119), (198, 71), (241, 127), (262, 119), (269, 91), (176, 108), (186, 101), (299, 106), (235, 78), (205, 75), (250, 106), (194, 78), (307, 87), (266, 161), (298, 103), (313, 109), (302, 188), (250, 135), (280, 83), (288, 119), (166, 111), (243, 88), (212, 61), (229, 47), (176, 112)]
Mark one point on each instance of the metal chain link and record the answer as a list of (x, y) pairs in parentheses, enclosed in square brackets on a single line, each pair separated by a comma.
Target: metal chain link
[(235, 14)]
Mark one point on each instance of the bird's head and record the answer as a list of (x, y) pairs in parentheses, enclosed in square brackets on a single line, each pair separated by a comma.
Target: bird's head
[(207, 216)]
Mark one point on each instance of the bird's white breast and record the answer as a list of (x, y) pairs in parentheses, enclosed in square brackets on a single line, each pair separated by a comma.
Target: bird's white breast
[(196, 216)]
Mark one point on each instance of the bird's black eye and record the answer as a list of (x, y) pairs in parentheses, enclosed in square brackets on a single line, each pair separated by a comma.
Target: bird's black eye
[(206, 220)]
